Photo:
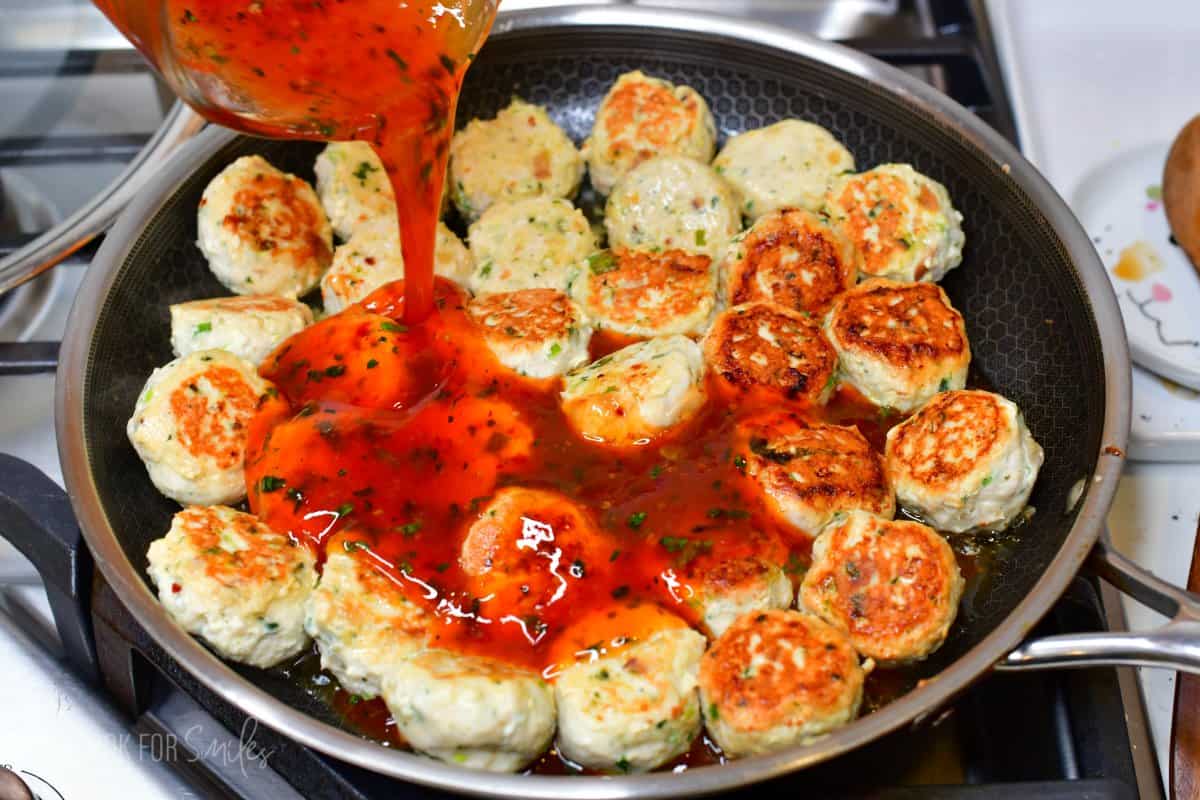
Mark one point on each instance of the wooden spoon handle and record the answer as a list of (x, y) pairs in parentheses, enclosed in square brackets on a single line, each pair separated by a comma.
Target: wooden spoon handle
[(1185, 726)]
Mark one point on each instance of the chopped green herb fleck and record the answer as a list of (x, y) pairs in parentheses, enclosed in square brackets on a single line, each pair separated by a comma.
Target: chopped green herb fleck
[(395, 327), (636, 519), (701, 237), (203, 327), (270, 483), (394, 56), (601, 262), (345, 509), (372, 364)]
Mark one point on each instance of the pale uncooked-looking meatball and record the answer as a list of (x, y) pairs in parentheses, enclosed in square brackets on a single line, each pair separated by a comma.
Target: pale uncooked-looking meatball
[(469, 710), (776, 679), (899, 344), (734, 587), (644, 293), (537, 243), (263, 231), (672, 203), (360, 616), (763, 350), (636, 394), (189, 426), (806, 473), (634, 708), (892, 586), (226, 577), (539, 333), (248, 327), (792, 258), (901, 222), (373, 258), (965, 461), (786, 165), (519, 154), (353, 187), (642, 117)]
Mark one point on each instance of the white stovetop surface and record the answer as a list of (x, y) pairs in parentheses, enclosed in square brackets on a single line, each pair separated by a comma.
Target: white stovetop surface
[(1089, 79), (1090, 82)]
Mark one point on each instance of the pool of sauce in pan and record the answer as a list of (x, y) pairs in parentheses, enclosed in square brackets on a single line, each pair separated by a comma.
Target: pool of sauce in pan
[(396, 436)]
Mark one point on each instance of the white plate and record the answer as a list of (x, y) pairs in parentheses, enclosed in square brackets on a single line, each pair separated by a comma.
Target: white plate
[(1119, 202)]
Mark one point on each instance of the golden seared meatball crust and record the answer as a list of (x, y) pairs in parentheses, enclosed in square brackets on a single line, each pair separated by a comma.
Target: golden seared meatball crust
[(790, 257), (536, 332), (776, 679), (899, 343), (647, 293), (642, 117), (636, 394), (225, 576), (965, 461), (893, 586), (761, 349), (807, 473), (189, 425), (521, 153), (263, 230), (901, 222)]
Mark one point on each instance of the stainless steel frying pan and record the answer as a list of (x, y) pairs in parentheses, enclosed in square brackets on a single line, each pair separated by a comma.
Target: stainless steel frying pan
[(1042, 319)]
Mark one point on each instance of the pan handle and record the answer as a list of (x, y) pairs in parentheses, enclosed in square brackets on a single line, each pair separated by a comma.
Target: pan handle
[(36, 518), (1175, 645)]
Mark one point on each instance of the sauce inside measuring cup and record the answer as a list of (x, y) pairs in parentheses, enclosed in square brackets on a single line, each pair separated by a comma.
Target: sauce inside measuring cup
[(385, 71)]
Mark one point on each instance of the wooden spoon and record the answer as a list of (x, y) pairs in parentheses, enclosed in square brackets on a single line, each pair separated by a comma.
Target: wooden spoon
[(1185, 727), (1181, 190)]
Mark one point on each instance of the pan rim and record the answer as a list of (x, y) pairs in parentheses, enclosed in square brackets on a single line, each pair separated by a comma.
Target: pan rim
[(914, 706)]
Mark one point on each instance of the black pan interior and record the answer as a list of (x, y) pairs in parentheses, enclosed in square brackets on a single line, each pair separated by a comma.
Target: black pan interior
[(1028, 317)]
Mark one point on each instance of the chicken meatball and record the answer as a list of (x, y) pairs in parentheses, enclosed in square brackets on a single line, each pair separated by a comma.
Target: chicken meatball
[(248, 327), (539, 333), (965, 461), (353, 187), (892, 586), (189, 426), (808, 473), (643, 293), (360, 616), (672, 203), (519, 154), (763, 351), (636, 394), (901, 222), (226, 577), (792, 258), (731, 588), (776, 679), (524, 550), (899, 344), (633, 708), (642, 117), (373, 258), (263, 231), (786, 165), (536, 243), (469, 710)]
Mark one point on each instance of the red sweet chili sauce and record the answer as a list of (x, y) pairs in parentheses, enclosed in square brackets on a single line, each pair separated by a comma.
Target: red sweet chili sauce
[(385, 71)]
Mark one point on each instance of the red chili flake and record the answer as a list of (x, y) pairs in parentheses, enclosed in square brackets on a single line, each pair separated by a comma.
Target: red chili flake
[(176, 588)]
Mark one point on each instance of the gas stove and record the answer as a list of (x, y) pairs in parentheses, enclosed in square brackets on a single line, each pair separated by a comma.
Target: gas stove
[(132, 723)]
